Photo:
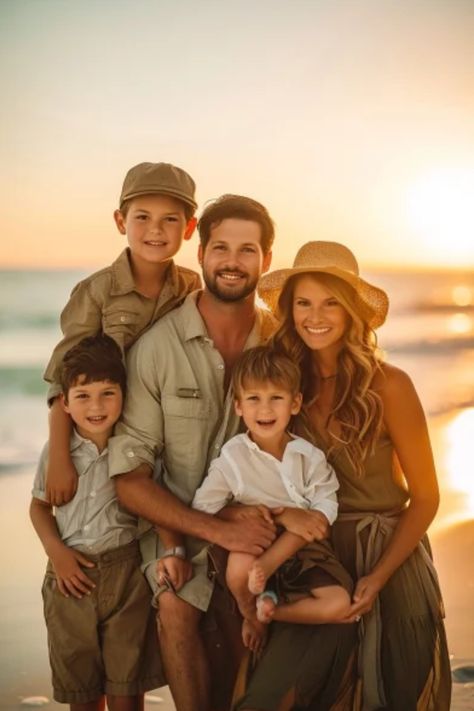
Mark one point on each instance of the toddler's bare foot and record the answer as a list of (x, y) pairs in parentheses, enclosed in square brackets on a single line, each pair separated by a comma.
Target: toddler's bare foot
[(254, 635), (266, 604), (257, 579)]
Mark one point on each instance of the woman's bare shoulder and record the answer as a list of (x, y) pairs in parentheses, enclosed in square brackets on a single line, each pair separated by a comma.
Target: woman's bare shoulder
[(398, 394), (391, 381)]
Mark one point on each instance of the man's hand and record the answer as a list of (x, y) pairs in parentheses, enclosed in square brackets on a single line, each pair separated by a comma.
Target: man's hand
[(240, 512), (252, 535), (70, 577), (310, 525), (173, 571), (61, 481)]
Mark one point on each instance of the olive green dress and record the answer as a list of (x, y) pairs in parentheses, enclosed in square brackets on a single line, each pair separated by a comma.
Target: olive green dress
[(403, 657), (400, 651)]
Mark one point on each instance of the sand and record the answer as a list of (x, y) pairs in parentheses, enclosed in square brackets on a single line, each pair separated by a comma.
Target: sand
[(24, 670)]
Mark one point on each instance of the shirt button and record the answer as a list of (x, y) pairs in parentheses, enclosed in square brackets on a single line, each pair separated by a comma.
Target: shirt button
[(130, 453), (86, 527), (92, 494), (220, 366), (216, 446), (123, 319)]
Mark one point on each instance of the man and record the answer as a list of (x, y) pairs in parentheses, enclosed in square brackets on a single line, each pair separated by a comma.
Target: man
[(179, 410)]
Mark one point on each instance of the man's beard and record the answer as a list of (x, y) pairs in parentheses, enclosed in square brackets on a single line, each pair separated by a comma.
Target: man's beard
[(230, 294)]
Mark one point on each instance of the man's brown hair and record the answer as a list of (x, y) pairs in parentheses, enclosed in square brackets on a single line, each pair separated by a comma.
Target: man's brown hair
[(242, 208), (94, 359)]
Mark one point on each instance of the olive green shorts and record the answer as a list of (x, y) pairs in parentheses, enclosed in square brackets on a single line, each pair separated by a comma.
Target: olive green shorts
[(104, 643)]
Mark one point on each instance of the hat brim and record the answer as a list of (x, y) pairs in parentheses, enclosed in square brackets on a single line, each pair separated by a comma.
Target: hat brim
[(161, 191), (374, 299)]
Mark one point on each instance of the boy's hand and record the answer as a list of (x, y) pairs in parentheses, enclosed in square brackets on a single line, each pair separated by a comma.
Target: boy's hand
[(310, 525), (173, 571), (70, 577), (61, 481)]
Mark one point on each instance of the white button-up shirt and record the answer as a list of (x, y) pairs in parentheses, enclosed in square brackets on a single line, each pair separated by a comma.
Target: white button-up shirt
[(245, 474)]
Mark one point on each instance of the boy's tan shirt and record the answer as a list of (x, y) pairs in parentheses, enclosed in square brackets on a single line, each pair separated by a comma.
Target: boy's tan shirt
[(108, 302)]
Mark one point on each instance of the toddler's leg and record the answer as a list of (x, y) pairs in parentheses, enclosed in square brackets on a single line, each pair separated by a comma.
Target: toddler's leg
[(253, 632), (97, 705), (325, 605), (238, 566), (125, 703), (266, 606), (265, 565)]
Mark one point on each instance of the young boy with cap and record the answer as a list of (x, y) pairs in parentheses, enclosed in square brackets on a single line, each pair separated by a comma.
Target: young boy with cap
[(156, 213), (97, 603)]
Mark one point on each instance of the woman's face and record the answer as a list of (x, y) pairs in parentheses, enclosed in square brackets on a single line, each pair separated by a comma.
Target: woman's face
[(320, 320)]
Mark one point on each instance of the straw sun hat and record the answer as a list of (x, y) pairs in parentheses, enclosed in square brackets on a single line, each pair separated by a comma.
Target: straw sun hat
[(327, 258)]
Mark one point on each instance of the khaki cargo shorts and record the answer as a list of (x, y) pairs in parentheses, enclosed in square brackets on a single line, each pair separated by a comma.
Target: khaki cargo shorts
[(106, 642)]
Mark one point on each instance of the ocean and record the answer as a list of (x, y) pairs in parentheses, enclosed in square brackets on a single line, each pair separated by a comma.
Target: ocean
[(429, 333)]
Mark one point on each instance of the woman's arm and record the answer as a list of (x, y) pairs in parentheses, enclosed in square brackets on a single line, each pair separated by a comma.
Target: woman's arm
[(406, 425)]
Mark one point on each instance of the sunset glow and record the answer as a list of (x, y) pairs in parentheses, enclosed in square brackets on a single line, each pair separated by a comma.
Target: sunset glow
[(462, 295), (458, 456), (350, 121), (460, 323), (441, 210)]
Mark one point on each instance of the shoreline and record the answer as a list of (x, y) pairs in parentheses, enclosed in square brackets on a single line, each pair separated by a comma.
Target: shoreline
[(24, 668)]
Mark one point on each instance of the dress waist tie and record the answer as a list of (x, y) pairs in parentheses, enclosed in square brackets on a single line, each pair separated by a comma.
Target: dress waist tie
[(380, 529)]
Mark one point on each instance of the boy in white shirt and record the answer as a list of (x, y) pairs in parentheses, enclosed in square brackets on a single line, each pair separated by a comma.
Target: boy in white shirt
[(275, 472)]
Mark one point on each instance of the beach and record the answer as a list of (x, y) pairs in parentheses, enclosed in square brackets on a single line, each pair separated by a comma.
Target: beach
[(24, 670), (432, 339)]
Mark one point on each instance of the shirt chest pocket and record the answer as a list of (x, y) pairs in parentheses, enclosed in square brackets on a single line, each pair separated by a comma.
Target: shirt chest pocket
[(122, 325), (187, 424)]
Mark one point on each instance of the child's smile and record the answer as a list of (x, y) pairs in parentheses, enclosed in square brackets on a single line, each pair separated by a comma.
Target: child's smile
[(266, 409), (95, 408)]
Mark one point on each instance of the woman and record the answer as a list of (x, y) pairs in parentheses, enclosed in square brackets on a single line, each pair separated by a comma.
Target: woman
[(367, 417)]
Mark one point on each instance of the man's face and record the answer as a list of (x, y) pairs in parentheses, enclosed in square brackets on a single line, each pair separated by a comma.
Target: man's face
[(233, 261)]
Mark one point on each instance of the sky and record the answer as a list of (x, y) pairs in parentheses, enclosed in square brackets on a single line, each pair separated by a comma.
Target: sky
[(351, 120)]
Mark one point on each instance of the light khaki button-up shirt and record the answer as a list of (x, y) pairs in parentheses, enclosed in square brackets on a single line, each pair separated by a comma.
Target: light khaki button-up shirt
[(93, 521), (176, 410), (108, 302)]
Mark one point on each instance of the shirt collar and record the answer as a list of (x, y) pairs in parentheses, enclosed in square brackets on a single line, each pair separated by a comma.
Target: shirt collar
[(124, 283), (248, 441), (296, 444), (79, 442), (194, 326)]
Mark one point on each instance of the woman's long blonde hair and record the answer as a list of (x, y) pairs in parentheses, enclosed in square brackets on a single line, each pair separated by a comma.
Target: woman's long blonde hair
[(357, 406)]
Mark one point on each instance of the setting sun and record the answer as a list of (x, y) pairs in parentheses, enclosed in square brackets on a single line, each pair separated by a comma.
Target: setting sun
[(440, 212)]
